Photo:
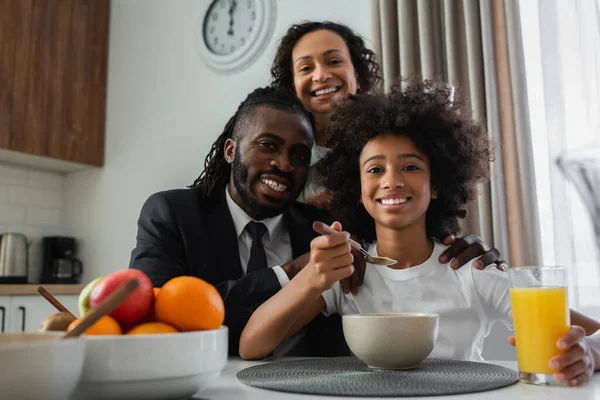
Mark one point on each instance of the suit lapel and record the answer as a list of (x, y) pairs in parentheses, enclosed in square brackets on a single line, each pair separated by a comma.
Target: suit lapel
[(223, 240)]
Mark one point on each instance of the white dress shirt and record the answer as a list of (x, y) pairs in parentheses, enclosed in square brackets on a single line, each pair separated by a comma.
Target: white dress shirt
[(278, 249), (276, 240)]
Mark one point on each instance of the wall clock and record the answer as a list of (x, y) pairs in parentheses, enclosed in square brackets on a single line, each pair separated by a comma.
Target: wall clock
[(233, 33)]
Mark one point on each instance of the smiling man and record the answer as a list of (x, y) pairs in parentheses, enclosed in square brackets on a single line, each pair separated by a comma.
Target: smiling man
[(270, 157), (238, 226)]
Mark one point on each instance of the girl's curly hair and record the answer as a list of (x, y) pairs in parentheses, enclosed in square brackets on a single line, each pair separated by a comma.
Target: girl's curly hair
[(363, 59), (458, 149)]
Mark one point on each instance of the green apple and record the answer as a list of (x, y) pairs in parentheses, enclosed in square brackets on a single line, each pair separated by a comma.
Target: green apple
[(84, 297)]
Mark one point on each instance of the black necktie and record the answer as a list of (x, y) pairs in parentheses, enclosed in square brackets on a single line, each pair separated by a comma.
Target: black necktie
[(258, 257)]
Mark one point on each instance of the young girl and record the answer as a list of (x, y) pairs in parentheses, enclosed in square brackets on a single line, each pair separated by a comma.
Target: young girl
[(403, 166)]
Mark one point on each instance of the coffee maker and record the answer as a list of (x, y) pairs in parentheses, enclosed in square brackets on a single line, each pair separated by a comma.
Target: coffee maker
[(59, 265)]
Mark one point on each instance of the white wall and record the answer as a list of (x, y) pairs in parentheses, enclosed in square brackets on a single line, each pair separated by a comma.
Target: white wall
[(165, 108), (32, 203)]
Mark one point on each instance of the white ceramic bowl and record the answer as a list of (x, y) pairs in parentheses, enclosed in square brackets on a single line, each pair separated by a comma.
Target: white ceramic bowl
[(39, 366), (144, 367), (391, 341)]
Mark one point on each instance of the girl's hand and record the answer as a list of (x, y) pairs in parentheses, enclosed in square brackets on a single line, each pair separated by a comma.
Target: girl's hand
[(576, 365), (330, 259)]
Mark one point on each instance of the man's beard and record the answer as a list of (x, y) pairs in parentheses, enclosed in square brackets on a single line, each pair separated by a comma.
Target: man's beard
[(251, 204)]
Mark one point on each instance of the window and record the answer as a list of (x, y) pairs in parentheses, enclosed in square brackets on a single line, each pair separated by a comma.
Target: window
[(561, 43)]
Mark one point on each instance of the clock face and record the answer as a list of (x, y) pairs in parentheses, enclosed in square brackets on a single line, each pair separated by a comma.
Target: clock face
[(229, 25)]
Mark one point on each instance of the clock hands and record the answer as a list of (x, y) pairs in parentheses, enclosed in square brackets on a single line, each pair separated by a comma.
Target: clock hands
[(231, 11)]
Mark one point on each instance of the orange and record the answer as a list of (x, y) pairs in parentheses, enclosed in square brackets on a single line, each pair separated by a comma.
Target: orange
[(150, 317), (152, 328), (190, 304), (104, 326)]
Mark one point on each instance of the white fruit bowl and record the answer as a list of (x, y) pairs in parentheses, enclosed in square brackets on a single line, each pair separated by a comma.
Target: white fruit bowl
[(39, 366), (145, 367)]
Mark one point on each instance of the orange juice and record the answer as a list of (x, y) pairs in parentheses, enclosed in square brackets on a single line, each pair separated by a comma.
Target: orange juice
[(540, 316)]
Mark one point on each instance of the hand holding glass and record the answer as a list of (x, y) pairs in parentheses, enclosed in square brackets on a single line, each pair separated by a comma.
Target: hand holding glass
[(541, 316)]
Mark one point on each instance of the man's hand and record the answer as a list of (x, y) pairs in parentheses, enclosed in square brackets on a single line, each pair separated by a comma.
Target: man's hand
[(293, 267), (463, 250)]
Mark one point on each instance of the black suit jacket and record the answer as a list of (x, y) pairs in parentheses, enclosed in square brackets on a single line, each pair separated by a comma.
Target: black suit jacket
[(181, 233)]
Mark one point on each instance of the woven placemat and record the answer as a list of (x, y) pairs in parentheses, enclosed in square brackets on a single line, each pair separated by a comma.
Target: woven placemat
[(348, 376)]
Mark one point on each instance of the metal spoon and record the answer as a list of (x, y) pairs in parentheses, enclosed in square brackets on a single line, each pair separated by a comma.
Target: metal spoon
[(324, 229)]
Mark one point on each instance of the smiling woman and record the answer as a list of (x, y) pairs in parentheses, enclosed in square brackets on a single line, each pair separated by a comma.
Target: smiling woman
[(323, 62), (323, 73)]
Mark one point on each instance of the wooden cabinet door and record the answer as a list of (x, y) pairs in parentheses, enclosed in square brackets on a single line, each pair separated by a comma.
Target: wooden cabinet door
[(28, 312), (56, 51), (8, 29)]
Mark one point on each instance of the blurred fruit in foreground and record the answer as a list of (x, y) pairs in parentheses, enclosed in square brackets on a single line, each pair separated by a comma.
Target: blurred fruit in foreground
[(150, 317), (152, 328), (189, 304), (133, 308), (105, 326), (84, 297), (58, 321)]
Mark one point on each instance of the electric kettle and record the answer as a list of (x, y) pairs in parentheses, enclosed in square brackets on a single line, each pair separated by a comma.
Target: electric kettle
[(13, 258)]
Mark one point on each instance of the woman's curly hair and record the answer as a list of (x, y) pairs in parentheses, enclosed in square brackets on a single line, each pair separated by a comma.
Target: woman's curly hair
[(458, 149), (363, 59)]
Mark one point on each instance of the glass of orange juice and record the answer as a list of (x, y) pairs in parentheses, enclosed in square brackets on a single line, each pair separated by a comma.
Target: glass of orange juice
[(540, 316)]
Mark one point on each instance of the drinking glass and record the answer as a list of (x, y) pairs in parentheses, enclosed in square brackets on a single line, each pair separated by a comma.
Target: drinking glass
[(541, 316)]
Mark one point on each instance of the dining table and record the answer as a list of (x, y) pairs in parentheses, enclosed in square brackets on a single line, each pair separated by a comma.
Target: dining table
[(228, 387)]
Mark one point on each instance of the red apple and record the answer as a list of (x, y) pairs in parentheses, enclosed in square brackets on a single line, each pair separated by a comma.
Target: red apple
[(136, 306)]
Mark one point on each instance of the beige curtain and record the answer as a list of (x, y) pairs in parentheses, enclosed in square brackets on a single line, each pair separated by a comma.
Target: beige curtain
[(475, 45)]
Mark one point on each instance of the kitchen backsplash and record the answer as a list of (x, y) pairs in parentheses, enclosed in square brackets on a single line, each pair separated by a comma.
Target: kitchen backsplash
[(31, 202)]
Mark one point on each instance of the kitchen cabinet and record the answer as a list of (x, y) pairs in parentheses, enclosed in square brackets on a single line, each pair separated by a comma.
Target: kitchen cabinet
[(26, 313), (53, 67)]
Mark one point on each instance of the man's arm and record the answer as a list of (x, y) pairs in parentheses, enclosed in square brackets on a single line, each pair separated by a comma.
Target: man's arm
[(159, 250)]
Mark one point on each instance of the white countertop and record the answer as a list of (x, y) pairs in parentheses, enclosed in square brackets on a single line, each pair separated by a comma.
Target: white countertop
[(228, 387)]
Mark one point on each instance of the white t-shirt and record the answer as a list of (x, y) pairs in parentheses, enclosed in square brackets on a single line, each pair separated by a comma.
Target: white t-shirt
[(468, 300)]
